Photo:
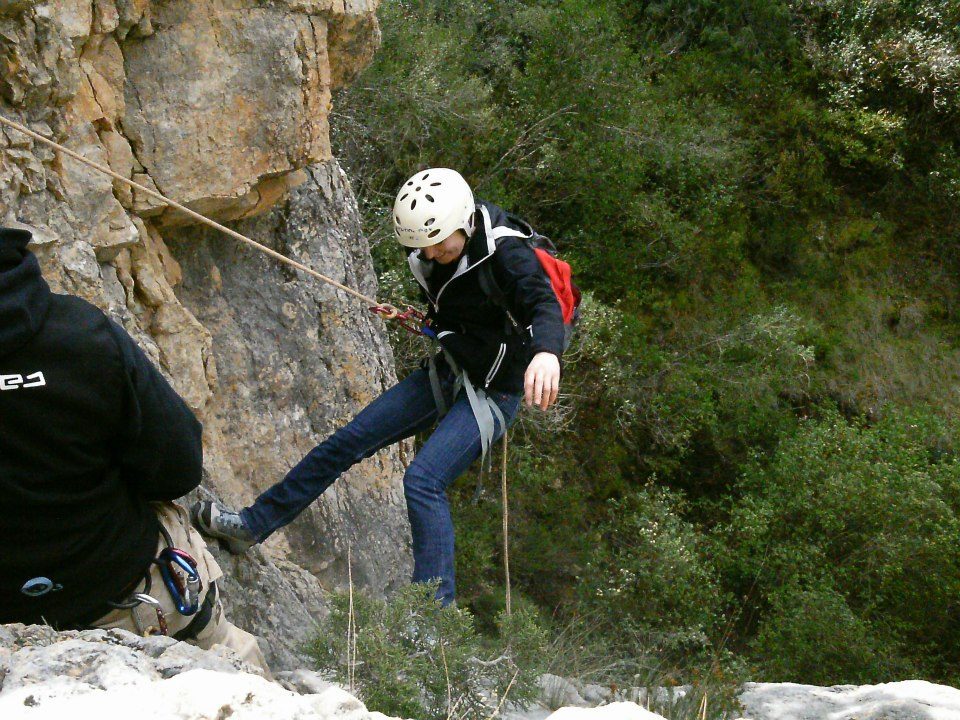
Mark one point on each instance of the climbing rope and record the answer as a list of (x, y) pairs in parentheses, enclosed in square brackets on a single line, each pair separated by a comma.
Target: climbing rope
[(387, 311), (506, 524)]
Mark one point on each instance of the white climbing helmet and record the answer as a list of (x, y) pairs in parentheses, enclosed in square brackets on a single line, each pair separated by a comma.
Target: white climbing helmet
[(431, 206)]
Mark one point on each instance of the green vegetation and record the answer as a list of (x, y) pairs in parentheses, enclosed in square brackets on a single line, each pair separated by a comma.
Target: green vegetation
[(754, 466), (411, 658)]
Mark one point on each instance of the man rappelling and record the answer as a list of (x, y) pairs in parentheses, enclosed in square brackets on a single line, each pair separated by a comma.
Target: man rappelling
[(501, 332)]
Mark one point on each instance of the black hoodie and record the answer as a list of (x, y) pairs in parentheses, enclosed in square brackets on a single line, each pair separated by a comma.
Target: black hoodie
[(90, 433)]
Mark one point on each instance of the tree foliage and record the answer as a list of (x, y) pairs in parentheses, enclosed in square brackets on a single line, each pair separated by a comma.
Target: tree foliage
[(760, 199)]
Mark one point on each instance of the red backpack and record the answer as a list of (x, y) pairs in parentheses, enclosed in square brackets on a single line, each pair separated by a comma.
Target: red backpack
[(558, 272)]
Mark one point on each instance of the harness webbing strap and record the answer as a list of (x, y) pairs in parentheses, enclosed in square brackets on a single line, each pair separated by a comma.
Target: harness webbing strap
[(435, 386), (485, 409)]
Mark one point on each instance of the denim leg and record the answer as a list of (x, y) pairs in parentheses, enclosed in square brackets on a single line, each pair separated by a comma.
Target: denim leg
[(449, 451), (402, 411)]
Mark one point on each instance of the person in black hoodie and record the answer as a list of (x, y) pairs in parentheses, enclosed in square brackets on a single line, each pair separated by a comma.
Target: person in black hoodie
[(94, 443), (492, 354)]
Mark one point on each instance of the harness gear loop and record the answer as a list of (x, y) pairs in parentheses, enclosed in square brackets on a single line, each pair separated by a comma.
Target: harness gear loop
[(131, 603)]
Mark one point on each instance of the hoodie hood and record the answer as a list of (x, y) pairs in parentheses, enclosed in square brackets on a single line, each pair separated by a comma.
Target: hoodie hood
[(24, 294)]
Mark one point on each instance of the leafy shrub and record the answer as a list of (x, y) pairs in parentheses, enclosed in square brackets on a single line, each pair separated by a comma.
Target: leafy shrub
[(814, 634), (887, 53), (649, 579), (410, 657), (758, 197), (851, 530)]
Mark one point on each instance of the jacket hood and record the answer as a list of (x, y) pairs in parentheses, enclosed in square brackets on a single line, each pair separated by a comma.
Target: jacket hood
[(24, 294)]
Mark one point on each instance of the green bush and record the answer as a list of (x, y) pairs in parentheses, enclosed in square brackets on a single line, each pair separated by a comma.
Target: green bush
[(649, 579), (410, 657), (851, 530), (815, 635)]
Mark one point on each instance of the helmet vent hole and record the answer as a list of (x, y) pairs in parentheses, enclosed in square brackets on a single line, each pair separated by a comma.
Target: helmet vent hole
[(434, 233), (418, 189), (425, 176), (429, 197), (410, 183), (436, 184), (396, 220), (429, 222), (413, 205), (405, 196)]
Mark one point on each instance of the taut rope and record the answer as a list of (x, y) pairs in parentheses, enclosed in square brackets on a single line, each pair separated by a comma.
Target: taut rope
[(195, 215), (506, 524)]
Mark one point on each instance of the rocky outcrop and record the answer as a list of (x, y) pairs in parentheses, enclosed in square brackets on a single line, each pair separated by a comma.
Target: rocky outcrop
[(909, 699), (115, 674), (296, 358), (222, 105)]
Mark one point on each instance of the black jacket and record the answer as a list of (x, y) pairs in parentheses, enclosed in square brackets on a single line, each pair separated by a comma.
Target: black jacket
[(472, 327), (90, 432)]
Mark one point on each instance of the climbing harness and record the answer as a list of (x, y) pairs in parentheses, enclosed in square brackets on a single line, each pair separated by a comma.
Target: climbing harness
[(181, 578), (485, 409)]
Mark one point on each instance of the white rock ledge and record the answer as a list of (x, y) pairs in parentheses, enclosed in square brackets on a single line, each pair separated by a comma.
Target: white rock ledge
[(905, 700)]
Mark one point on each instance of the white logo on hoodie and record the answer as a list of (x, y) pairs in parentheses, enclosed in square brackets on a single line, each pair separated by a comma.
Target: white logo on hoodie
[(16, 382)]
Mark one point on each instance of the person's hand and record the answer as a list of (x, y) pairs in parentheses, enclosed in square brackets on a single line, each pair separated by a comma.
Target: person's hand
[(541, 382)]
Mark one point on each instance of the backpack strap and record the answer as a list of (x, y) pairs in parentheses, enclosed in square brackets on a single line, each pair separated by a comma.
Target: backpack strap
[(495, 233), (488, 282)]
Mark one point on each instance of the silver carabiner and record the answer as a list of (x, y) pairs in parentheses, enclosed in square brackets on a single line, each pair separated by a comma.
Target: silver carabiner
[(161, 618)]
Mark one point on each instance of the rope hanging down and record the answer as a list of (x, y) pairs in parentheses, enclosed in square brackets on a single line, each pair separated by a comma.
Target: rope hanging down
[(506, 526), (386, 310)]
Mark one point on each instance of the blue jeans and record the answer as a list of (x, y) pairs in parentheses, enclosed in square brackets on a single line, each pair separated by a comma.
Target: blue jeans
[(402, 411)]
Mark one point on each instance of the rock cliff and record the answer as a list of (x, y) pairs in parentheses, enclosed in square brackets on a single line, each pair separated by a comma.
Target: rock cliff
[(221, 105)]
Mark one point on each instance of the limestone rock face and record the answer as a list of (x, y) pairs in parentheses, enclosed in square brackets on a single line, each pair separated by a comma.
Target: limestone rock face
[(908, 699), (299, 359), (223, 104)]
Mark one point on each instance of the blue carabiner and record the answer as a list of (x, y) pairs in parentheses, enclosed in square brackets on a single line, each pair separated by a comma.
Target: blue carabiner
[(186, 596)]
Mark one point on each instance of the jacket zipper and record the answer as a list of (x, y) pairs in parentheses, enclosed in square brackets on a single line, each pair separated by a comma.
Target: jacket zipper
[(435, 301), (496, 365)]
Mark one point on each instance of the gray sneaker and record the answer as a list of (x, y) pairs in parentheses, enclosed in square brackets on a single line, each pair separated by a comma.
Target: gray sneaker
[(215, 520)]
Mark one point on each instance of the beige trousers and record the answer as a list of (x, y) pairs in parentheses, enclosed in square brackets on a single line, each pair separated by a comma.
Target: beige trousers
[(142, 619)]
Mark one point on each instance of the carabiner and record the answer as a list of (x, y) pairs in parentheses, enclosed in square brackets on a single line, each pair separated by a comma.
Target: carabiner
[(411, 319), (161, 619), (186, 595)]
